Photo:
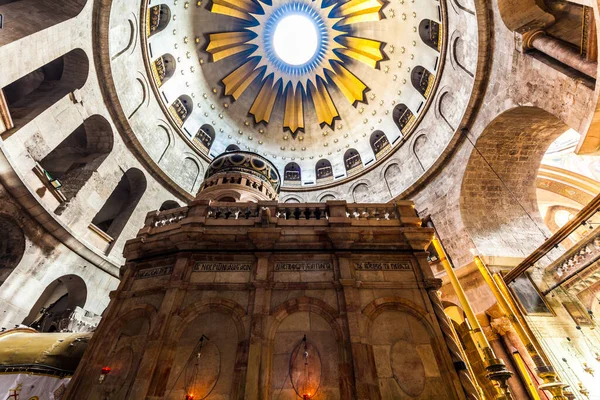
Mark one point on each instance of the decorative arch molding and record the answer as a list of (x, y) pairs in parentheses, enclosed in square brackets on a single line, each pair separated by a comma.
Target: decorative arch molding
[(455, 42), (198, 178), (328, 195), (444, 106), (146, 311), (164, 127), (132, 23), (419, 142), (143, 82), (292, 199), (213, 304), (458, 5), (357, 185), (395, 303), (309, 304)]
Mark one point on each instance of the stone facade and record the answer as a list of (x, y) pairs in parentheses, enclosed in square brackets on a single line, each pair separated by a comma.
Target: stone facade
[(352, 280)]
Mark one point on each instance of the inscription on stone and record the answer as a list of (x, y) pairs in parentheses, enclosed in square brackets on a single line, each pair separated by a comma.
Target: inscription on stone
[(222, 267), (303, 266), (383, 266), (153, 272)]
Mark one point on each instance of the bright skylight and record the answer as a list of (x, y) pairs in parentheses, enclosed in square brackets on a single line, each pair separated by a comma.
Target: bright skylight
[(295, 40)]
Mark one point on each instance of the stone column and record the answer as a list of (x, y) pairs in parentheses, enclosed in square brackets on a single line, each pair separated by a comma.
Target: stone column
[(255, 381), (560, 51), (149, 379), (365, 374)]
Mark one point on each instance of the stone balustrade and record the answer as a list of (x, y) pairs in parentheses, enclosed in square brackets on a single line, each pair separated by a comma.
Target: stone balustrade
[(306, 211), (577, 258), (373, 212), (333, 212), (157, 219)]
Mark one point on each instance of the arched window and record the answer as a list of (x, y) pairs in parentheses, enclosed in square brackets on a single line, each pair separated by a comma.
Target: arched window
[(323, 170), (232, 147), (404, 118), (71, 164), (422, 80), (205, 138), (12, 246), (35, 92), (227, 199), (116, 211), (57, 302), (169, 205), (379, 143), (181, 109), (352, 161), (27, 17), (158, 18), (430, 33), (163, 68), (292, 174)]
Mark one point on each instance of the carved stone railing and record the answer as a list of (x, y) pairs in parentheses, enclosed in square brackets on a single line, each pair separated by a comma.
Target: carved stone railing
[(575, 261), (373, 212), (232, 211), (270, 212), (307, 211), (169, 217)]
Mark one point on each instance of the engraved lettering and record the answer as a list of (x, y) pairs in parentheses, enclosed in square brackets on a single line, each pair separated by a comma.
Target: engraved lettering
[(153, 272), (383, 266), (222, 267), (303, 266)]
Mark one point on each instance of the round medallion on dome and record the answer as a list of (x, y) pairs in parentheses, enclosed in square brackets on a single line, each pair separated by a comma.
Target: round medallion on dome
[(295, 38)]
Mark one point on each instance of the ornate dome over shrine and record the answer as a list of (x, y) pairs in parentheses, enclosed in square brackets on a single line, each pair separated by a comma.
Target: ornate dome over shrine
[(323, 89)]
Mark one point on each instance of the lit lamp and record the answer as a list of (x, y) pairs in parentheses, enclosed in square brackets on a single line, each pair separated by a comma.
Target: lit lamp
[(189, 397), (103, 372)]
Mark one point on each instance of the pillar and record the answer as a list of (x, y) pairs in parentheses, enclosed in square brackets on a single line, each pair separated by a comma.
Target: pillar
[(560, 51)]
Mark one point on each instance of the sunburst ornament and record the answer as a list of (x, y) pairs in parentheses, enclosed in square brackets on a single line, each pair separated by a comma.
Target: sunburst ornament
[(297, 49)]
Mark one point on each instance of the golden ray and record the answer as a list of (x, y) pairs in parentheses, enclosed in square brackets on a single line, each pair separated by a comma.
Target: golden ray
[(352, 87), (293, 117), (226, 44), (242, 77), (326, 111), (355, 11), (240, 9), (265, 100), (364, 50)]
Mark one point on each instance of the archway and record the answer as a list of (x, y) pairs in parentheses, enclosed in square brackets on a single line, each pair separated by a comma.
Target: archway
[(79, 155), (169, 205), (56, 302), (498, 193), (24, 22), (117, 209), (37, 91), (12, 246)]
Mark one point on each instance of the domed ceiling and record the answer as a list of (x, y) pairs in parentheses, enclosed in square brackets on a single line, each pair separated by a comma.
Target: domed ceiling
[(306, 84)]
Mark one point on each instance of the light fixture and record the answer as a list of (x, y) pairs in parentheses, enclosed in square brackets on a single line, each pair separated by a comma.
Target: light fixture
[(103, 372)]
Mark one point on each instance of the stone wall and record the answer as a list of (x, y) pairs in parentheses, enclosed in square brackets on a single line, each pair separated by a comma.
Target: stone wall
[(333, 308)]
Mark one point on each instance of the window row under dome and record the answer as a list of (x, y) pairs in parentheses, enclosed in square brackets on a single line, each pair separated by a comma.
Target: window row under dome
[(353, 162)]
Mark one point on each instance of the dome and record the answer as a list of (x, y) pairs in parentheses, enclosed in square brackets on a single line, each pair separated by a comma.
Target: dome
[(249, 163), (351, 95)]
